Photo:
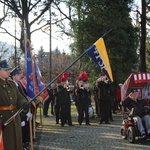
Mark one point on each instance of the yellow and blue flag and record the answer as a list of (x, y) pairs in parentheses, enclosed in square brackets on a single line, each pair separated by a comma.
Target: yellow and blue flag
[(99, 55)]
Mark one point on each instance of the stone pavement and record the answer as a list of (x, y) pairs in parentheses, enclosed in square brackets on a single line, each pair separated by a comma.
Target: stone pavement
[(52, 136)]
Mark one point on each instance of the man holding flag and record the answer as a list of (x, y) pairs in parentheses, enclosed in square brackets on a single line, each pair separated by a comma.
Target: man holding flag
[(99, 55)]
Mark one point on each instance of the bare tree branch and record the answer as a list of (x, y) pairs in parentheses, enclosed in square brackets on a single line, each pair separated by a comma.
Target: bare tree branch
[(69, 18), (9, 33), (34, 5), (42, 12), (5, 12)]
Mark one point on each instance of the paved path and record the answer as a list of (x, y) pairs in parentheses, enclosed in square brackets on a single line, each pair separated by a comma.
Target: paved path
[(94, 137)]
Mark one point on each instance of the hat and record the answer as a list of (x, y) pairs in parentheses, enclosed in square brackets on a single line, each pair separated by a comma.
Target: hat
[(83, 76), (133, 90), (16, 70), (4, 65)]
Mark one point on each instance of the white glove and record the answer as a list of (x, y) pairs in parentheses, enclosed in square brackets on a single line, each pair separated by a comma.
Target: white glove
[(23, 123), (29, 116)]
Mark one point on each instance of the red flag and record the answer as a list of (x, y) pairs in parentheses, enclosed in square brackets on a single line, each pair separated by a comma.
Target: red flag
[(40, 84), (1, 138)]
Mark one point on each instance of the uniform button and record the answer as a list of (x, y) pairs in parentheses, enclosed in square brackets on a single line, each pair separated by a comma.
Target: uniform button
[(8, 91), (1, 116), (12, 111), (4, 86), (10, 97)]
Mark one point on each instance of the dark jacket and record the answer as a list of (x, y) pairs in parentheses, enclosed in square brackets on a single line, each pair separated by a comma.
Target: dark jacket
[(83, 96), (137, 107), (51, 93), (62, 96)]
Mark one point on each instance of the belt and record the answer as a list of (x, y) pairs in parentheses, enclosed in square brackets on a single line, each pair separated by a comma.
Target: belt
[(8, 107)]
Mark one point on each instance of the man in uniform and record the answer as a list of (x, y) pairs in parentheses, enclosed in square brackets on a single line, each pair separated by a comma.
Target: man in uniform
[(65, 103), (16, 75), (10, 101)]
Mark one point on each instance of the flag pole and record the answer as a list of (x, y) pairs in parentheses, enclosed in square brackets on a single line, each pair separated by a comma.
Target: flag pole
[(30, 121), (21, 109)]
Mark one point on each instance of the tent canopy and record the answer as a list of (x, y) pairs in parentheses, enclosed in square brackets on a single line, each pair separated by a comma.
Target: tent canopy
[(134, 81)]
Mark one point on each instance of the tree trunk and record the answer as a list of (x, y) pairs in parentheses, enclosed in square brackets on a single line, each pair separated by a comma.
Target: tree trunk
[(143, 38)]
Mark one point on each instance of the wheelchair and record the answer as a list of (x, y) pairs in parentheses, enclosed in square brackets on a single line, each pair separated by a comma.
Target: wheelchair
[(129, 128)]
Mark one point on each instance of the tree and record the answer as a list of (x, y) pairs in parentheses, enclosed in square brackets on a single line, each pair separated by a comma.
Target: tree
[(143, 38), (4, 51), (148, 54), (7, 52), (24, 8), (93, 19), (143, 23), (4, 11)]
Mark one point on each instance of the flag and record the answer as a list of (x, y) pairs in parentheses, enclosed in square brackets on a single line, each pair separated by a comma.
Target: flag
[(30, 72), (99, 55), (31, 86), (40, 83)]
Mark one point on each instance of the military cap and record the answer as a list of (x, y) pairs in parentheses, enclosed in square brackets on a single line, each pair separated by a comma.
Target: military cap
[(4, 65), (16, 70)]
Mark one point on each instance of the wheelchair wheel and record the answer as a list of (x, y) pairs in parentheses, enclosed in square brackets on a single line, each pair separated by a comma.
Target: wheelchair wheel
[(131, 134), (123, 133)]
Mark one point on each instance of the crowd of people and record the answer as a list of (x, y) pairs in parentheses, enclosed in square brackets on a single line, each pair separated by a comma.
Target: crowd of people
[(107, 100)]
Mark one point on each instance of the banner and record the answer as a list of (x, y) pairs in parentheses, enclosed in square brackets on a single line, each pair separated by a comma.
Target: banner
[(99, 55), (40, 83), (30, 73)]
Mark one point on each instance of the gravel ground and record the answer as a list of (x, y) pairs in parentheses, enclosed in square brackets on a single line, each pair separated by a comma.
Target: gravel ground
[(97, 136)]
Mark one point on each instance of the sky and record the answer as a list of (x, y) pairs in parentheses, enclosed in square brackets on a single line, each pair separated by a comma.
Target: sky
[(39, 38)]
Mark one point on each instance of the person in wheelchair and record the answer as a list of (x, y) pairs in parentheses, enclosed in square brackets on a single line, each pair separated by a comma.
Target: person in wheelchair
[(140, 112)]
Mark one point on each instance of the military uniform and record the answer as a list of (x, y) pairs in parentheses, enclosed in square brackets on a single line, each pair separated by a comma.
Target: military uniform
[(65, 104), (16, 74), (10, 101), (10, 96)]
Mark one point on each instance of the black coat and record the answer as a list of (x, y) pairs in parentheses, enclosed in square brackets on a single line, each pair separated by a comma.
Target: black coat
[(52, 93), (62, 96), (138, 106), (83, 96)]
